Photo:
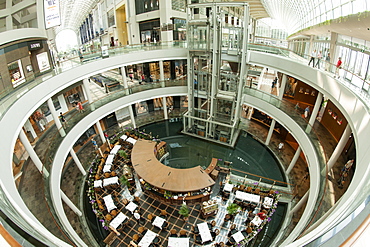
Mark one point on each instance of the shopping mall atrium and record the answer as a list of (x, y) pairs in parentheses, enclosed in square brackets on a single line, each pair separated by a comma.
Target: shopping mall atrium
[(184, 122)]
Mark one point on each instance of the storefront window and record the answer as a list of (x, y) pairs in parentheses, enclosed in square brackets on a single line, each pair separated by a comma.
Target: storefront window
[(43, 61), (143, 6), (16, 73)]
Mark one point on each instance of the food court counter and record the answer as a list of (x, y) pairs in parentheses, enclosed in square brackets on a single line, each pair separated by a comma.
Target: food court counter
[(156, 174)]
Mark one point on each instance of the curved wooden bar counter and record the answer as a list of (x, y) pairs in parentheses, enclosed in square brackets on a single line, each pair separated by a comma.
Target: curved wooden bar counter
[(147, 166)]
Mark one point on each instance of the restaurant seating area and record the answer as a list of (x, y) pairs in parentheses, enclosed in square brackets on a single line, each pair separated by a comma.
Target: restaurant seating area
[(132, 216)]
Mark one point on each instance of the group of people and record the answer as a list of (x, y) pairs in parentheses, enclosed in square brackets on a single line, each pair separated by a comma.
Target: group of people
[(318, 56)]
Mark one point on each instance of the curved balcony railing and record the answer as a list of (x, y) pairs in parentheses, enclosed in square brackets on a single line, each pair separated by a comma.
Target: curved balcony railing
[(359, 85), (10, 96), (289, 109)]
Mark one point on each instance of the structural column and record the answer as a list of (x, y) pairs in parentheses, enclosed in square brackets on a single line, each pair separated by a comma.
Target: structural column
[(100, 130), (57, 122), (165, 12), (124, 78), (86, 85), (28, 126), (70, 204), (315, 110), (77, 161), (294, 160), (161, 78), (338, 149), (125, 86), (271, 131), (282, 86), (132, 115), (35, 159), (300, 203)]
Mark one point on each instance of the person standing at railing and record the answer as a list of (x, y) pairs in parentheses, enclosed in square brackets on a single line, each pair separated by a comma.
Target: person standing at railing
[(313, 55), (319, 57), (327, 62), (337, 67)]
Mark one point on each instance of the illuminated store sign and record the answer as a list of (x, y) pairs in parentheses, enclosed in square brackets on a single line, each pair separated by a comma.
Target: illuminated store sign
[(32, 46)]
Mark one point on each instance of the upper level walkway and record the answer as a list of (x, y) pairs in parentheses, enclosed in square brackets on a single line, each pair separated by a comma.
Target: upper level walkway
[(281, 63)]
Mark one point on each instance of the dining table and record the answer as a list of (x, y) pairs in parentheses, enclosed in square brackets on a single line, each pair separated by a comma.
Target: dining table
[(131, 140), (238, 236), (247, 196), (123, 137), (109, 203), (228, 187), (131, 207), (107, 168), (115, 149), (178, 242), (204, 232), (121, 217), (109, 181), (256, 221), (158, 222), (267, 202), (98, 184), (147, 238), (110, 159)]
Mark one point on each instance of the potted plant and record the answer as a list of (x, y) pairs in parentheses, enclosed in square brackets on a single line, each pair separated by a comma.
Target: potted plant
[(232, 210), (184, 211), (122, 154), (124, 181)]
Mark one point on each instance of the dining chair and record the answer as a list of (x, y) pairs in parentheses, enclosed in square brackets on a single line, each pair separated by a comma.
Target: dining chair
[(173, 233), (150, 217), (136, 237), (213, 223), (183, 233)]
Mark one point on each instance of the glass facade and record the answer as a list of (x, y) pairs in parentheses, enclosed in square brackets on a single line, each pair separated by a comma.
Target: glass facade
[(302, 14)]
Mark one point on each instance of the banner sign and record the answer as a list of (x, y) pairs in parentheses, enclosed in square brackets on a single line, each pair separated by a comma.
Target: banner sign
[(51, 13)]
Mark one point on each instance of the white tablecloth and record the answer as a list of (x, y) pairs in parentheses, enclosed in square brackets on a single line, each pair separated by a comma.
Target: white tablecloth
[(256, 221), (147, 239), (238, 237), (98, 183), (107, 168), (110, 159), (158, 222), (118, 220), (267, 203), (204, 232), (109, 203), (115, 149), (178, 242), (247, 196), (131, 207), (108, 181), (123, 137), (131, 140), (228, 187)]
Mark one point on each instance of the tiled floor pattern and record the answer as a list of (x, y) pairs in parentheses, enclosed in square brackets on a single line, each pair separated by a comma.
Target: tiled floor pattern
[(148, 205)]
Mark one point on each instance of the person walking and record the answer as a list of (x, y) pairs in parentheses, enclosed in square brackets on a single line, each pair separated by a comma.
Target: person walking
[(313, 56), (327, 62), (80, 107), (63, 120), (337, 67), (307, 112), (281, 146), (319, 57)]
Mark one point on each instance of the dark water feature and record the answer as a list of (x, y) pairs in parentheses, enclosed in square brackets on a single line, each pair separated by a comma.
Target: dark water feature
[(248, 155)]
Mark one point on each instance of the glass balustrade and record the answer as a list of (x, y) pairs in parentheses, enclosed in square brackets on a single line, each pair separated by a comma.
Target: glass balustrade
[(8, 97)]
